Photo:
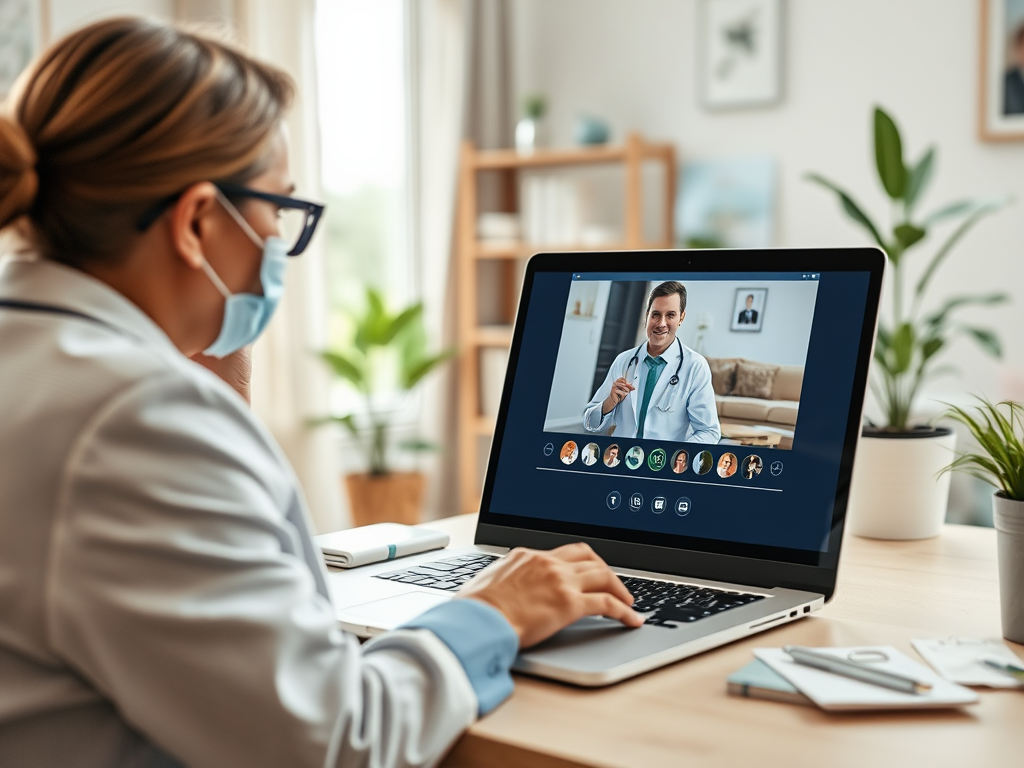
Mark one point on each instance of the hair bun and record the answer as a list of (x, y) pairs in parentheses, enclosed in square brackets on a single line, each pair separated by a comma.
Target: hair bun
[(18, 179)]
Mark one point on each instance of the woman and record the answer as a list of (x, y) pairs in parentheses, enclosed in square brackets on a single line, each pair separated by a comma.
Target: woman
[(679, 462), (162, 602), (752, 465), (569, 452)]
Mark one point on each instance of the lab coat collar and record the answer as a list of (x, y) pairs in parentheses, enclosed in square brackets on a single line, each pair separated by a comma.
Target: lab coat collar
[(44, 281), (670, 355)]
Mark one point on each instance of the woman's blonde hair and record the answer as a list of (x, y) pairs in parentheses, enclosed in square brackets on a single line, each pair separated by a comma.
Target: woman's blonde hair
[(122, 114)]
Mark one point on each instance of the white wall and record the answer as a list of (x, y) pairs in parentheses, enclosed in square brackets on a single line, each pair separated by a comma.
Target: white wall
[(66, 15), (785, 321), (634, 63)]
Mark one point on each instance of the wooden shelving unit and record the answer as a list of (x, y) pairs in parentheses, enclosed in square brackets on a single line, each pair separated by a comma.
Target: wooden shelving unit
[(472, 253)]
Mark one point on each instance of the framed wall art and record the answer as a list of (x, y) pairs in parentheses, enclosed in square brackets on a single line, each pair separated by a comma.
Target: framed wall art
[(748, 309), (1001, 70), (740, 50)]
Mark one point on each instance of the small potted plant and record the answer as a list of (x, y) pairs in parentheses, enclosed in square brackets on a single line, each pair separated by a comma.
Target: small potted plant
[(528, 134), (999, 460), (387, 355), (898, 490)]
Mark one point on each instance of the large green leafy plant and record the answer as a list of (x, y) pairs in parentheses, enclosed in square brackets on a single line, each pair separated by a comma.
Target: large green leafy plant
[(387, 353), (911, 339)]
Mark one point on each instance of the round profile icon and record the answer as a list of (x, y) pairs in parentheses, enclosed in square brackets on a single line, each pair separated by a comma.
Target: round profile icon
[(590, 454), (658, 459), (752, 465), (634, 457), (727, 465), (611, 455), (703, 462), (680, 462), (569, 452)]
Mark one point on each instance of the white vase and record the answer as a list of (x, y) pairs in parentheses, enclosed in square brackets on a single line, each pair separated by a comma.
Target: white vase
[(1008, 516), (529, 135), (899, 490)]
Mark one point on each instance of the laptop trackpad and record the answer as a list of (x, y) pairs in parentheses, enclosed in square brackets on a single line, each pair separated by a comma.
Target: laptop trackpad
[(392, 612)]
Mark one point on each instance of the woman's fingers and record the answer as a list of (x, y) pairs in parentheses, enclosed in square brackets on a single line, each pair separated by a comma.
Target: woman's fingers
[(599, 578), (603, 604)]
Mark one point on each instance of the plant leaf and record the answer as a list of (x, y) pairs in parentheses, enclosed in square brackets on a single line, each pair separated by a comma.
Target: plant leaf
[(852, 209), (986, 339), (417, 444), (889, 155), (400, 322), (980, 211), (415, 371), (938, 318), (950, 211), (918, 178), (345, 368), (908, 234), (903, 348)]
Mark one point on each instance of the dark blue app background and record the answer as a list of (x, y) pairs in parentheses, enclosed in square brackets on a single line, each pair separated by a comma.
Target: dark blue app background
[(790, 507)]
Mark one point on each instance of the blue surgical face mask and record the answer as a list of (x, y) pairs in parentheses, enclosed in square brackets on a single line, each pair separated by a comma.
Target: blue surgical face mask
[(245, 314)]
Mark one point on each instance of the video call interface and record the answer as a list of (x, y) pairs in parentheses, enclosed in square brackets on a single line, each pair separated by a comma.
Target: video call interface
[(702, 406)]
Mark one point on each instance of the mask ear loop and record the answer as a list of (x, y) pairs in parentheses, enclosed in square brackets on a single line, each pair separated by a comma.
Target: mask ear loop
[(239, 219)]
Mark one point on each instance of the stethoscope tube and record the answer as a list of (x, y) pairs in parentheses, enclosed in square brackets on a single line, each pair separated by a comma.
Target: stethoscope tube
[(635, 361)]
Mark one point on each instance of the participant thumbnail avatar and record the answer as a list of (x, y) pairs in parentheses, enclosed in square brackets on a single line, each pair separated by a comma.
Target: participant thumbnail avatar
[(657, 459), (752, 465), (611, 455), (680, 461), (703, 462), (727, 465), (569, 452), (590, 454), (635, 457)]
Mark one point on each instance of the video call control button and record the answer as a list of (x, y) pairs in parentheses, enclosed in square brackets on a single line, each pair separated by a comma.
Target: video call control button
[(636, 502), (659, 504), (614, 500), (683, 506), (776, 468), (549, 449)]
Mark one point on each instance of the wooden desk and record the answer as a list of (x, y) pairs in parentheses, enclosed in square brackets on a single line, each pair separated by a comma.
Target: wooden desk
[(889, 592)]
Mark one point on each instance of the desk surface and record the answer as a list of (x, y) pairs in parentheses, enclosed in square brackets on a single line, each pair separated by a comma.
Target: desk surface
[(888, 593)]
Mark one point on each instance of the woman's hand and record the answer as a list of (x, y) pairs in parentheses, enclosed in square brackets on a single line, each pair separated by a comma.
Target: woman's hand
[(542, 592), (235, 369)]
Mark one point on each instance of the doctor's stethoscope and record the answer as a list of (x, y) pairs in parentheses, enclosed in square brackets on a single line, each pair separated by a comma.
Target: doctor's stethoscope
[(635, 362)]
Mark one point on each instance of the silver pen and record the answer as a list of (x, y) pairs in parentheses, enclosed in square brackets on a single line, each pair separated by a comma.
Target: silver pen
[(854, 670)]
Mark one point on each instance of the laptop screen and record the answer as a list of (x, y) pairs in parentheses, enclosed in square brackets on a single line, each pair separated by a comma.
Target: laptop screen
[(692, 409)]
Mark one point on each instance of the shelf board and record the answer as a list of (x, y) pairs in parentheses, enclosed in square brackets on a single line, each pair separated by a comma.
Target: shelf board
[(490, 159), (492, 336), (512, 250)]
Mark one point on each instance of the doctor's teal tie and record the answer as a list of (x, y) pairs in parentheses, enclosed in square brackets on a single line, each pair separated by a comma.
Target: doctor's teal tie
[(654, 366)]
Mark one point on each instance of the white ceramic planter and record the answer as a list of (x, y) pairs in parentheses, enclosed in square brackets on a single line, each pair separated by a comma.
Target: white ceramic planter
[(1008, 516), (899, 490)]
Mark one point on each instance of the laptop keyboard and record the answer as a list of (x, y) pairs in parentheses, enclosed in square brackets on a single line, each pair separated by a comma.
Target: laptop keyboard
[(448, 574), (669, 600), (681, 603)]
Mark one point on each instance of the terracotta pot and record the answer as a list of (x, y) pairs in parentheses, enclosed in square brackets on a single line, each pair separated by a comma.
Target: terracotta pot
[(899, 490), (393, 498)]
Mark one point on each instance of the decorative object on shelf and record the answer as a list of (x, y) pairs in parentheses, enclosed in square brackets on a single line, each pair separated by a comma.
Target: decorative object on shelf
[(898, 491), (1001, 96), (529, 130), (591, 130), (998, 429), (726, 202), (740, 53), (497, 226), (383, 343)]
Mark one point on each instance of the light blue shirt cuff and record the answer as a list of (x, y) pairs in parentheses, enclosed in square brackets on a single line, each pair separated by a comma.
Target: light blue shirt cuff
[(482, 640)]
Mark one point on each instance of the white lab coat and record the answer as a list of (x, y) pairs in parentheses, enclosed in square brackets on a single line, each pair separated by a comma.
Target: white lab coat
[(681, 412), (160, 599)]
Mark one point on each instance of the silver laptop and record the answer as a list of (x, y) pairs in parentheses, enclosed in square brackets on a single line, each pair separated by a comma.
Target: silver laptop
[(715, 484)]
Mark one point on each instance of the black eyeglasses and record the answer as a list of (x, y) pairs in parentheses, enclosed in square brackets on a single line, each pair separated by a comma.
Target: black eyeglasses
[(298, 218)]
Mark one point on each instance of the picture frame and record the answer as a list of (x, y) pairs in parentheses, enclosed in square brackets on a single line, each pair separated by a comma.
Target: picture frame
[(749, 318), (1001, 71), (740, 53)]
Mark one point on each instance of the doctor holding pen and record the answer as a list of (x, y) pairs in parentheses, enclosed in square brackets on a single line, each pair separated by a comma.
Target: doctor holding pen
[(660, 390), (161, 601)]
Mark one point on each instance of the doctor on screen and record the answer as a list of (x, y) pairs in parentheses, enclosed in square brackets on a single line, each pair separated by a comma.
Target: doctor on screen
[(662, 389)]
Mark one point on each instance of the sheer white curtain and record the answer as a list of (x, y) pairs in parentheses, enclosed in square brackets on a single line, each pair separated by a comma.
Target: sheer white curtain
[(289, 385)]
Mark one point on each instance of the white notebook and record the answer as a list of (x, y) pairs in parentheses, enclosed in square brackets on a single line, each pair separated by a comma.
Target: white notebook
[(376, 543), (837, 693)]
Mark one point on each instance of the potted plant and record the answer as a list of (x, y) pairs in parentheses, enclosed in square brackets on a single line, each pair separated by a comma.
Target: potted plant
[(387, 355), (999, 460), (898, 490), (528, 130)]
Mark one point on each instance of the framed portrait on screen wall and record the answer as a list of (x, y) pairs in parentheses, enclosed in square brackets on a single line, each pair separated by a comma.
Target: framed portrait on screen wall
[(1001, 84), (748, 309)]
